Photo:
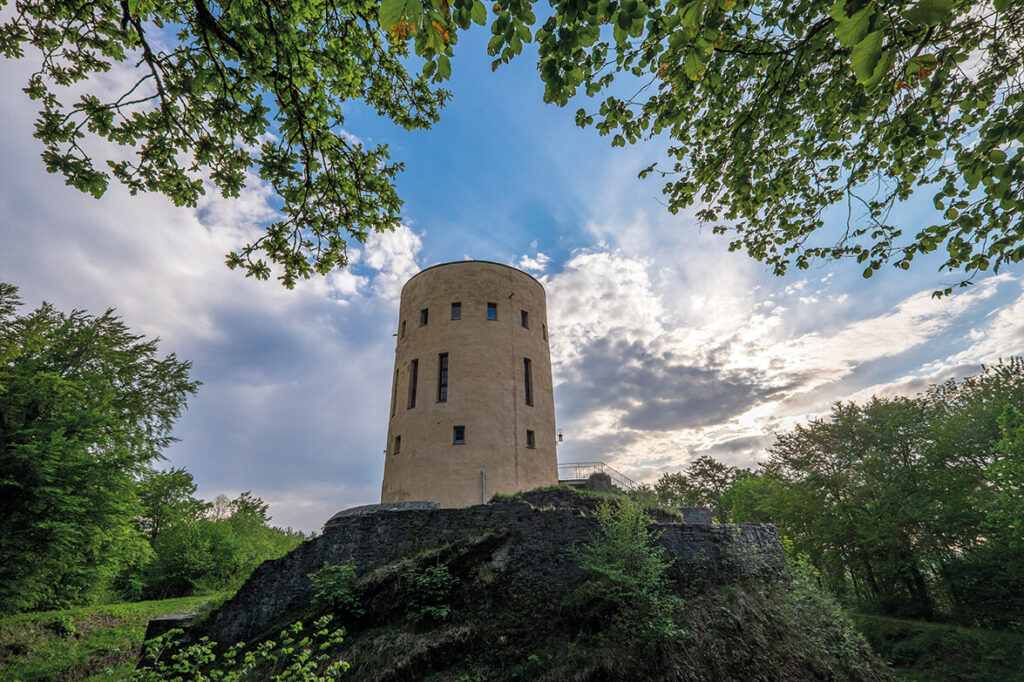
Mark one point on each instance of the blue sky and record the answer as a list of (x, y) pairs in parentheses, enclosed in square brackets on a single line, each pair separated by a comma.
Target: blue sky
[(665, 345)]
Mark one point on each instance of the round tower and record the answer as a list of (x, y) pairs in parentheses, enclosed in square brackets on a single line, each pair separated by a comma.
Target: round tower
[(472, 409)]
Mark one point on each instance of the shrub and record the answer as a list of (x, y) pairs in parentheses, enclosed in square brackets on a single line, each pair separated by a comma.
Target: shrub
[(293, 657), (333, 589), (63, 626), (627, 574), (428, 593)]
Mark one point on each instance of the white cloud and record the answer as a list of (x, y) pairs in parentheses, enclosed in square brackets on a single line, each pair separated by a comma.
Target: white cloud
[(393, 255), (660, 356), (538, 263)]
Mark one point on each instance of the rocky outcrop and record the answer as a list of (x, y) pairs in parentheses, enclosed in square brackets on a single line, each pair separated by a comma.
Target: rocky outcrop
[(514, 603), (532, 550)]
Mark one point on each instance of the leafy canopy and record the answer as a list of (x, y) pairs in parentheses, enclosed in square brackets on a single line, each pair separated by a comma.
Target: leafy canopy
[(203, 94), (776, 112), (779, 111), (85, 406)]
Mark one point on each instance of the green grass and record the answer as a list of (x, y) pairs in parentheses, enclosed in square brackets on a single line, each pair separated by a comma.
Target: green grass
[(931, 652), (104, 644)]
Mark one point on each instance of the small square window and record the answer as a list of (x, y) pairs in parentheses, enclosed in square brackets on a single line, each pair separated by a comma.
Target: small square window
[(457, 311), (423, 317), (492, 311), (530, 440), (398, 445), (459, 435), (524, 317)]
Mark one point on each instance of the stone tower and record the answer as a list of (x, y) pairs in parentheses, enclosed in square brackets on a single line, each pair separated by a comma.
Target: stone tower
[(472, 410)]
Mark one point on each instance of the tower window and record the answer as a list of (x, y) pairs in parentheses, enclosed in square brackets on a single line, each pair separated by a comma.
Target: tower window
[(403, 329), (524, 317), (398, 444), (394, 393), (442, 378), (457, 311), (423, 317), (492, 311), (530, 440), (414, 374), (528, 380), (544, 331), (459, 435)]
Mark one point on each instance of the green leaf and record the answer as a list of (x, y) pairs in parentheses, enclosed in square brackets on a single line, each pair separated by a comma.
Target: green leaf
[(851, 30), (881, 69), (479, 12), (694, 66), (929, 12), (392, 11), (866, 54), (997, 156), (444, 66)]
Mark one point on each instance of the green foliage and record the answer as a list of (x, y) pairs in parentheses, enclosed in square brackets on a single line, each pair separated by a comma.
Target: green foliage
[(106, 638), (932, 652), (703, 484), (293, 657), (428, 593), (197, 555), (779, 112), (213, 94), (807, 610), (64, 626), (627, 580), (907, 506), (333, 588), (85, 406)]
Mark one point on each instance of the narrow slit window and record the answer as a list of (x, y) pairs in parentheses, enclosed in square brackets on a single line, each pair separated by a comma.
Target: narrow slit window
[(394, 393), (544, 331), (530, 439), (524, 318), (398, 445), (459, 435), (423, 317), (442, 378), (414, 374), (403, 329), (492, 311), (457, 311), (528, 380)]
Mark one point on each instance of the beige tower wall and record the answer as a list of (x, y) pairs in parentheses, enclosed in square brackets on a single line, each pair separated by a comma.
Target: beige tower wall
[(486, 388)]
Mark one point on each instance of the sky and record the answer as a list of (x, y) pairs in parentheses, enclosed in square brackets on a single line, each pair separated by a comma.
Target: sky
[(665, 346)]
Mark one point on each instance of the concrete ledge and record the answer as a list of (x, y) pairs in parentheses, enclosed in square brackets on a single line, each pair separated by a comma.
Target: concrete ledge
[(385, 507)]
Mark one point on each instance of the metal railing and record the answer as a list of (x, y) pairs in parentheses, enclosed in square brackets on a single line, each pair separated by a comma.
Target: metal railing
[(581, 471)]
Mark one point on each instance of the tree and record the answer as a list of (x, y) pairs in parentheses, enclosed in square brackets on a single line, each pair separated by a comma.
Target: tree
[(206, 93), (85, 407), (778, 112), (704, 484), (168, 498), (909, 506)]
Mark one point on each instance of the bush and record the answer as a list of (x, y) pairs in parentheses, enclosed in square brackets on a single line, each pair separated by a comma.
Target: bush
[(293, 657), (627, 574), (332, 588), (428, 593), (63, 626)]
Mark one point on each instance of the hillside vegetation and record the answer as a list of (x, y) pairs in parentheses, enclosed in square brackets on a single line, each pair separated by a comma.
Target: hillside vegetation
[(89, 642)]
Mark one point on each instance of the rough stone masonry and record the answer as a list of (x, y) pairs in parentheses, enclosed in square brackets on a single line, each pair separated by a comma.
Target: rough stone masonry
[(529, 542)]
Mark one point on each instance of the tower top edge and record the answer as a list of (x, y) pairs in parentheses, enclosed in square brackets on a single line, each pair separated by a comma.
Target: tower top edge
[(472, 262)]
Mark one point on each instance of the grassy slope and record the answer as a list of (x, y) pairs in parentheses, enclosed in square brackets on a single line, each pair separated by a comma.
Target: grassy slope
[(105, 638), (930, 652)]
